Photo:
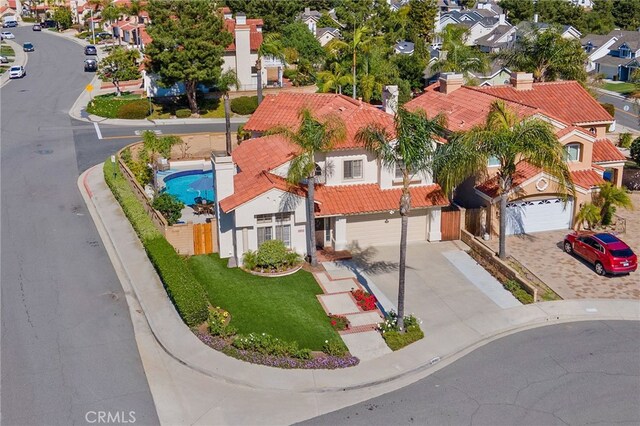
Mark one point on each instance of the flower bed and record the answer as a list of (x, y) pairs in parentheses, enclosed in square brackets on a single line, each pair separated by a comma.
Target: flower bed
[(273, 258), (396, 339), (366, 301), (339, 322)]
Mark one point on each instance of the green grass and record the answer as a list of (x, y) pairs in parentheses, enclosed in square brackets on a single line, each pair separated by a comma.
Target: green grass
[(209, 108), (622, 88), (7, 51), (108, 105), (3, 69), (284, 307)]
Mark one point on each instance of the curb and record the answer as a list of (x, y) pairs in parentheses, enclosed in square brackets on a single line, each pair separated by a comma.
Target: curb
[(614, 94), (311, 381), (20, 58)]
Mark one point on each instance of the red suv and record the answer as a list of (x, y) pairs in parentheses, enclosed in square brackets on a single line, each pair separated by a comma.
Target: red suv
[(607, 253)]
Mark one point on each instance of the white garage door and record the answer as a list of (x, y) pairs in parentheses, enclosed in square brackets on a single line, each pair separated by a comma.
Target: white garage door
[(524, 217), (384, 228)]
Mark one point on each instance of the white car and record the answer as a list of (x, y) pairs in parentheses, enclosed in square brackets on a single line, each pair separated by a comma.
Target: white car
[(7, 35), (17, 72)]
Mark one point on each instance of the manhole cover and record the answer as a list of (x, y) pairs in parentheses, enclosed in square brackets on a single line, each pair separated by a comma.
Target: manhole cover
[(44, 151)]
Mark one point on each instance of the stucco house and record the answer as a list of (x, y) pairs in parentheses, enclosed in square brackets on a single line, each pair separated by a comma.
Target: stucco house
[(579, 122), (325, 35), (479, 23), (615, 55), (356, 198)]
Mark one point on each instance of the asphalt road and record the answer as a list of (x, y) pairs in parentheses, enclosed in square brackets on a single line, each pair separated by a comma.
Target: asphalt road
[(68, 348), (570, 374), (627, 118)]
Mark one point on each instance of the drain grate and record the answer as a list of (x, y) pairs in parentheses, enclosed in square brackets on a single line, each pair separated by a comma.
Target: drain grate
[(44, 151)]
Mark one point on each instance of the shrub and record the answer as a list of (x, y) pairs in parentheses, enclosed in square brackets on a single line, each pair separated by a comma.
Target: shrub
[(169, 206), (136, 110), (334, 347), (183, 289), (624, 140), (183, 113), (244, 105), (635, 150), (272, 255), (28, 19), (365, 300), (339, 322), (268, 345), (242, 135), (518, 292), (611, 109), (218, 323), (396, 340)]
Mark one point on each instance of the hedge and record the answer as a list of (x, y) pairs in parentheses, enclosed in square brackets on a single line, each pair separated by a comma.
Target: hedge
[(244, 105), (134, 110), (396, 340), (186, 293), (183, 113)]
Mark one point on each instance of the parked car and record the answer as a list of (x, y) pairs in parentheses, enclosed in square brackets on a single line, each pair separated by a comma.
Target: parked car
[(104, 35), (10, 24), (17, 72), (8, 35), (90, 65), (28, 47), (36, 27), (4, 60), (607, 253), (90, 50), (48, 23)]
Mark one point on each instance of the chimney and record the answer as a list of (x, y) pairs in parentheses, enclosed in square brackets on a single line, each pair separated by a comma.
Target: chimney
[(522, 80), (223, 172), (390, 99), (241, 19), (535, 17), (243, 52), (228, 14), (502, 19), (307, 10), (449, 82)]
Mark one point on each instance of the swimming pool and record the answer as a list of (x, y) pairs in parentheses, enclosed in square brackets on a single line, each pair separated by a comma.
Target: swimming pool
[(188, 185)]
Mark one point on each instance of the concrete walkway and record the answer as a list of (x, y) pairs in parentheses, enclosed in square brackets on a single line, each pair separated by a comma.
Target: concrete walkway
[(193, 384)]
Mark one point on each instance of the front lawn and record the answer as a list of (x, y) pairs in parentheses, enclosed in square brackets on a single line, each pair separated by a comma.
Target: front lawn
[(284, 307), (622, 88), (6, 50), (108, 105)]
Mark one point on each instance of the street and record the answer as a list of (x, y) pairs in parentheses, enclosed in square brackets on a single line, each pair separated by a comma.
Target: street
[(626, 111)]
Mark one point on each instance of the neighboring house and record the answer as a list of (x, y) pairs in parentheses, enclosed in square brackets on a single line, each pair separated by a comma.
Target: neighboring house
[(404, 47), (500, 37), (396, 5), (325, 35), (11, 8), (526, 28), (579, 122), (310, 18), (614, 55), (448, 5), (497, 75), (490, 5), (479, 23), (356, 198), (587, 4)]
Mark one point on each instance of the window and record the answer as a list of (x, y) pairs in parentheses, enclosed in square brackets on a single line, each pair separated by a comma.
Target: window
[(353, 169), (264, 218), (625, 52), (318, 172), (265, 233), (493, 161), (283, 233), (572, 152)]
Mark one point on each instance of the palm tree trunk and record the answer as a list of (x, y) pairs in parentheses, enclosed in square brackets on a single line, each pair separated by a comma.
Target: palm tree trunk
[(227, 122), (353, 71), (502, 250), (311, 190), (405, 205), (259, 68)]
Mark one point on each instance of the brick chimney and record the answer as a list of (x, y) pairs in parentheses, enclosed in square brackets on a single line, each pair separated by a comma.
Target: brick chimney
[(450, 82), (522, 80)]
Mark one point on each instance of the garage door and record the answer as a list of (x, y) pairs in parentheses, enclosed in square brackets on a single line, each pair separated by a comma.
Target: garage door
[(384, 228), (524, 217)]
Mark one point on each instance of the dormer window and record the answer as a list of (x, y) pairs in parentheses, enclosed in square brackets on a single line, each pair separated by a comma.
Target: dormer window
[(572, 152), (624, 51)]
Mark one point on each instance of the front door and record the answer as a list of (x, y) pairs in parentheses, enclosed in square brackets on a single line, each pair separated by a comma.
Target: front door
[(320, 233)]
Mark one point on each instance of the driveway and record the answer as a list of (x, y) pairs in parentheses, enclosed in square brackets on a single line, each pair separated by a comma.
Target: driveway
[(568, 275)]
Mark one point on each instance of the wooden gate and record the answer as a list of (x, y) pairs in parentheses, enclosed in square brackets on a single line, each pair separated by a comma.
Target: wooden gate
[(450, 223), (203, 238)]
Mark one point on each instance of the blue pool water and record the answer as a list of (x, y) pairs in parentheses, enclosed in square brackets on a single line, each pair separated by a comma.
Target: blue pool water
[(188, 185)]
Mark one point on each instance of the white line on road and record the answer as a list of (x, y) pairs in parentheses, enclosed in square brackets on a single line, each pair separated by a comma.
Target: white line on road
[(97, 130)]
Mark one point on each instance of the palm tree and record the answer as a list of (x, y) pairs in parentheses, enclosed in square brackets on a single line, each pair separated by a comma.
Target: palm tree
[(227, 80), (271, 46), (589, 213), (334, 78), (510, 140), (457, 56), (412, 150), (335, 46), (312, 137), (610, 197)]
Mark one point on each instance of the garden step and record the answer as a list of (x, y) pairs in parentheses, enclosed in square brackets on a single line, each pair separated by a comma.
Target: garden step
[(338, 274), (366, 346), (338, 303), (365, 318), (335, 286)]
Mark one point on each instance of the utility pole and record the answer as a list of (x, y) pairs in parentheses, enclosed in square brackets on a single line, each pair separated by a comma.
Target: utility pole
[(93, 28)]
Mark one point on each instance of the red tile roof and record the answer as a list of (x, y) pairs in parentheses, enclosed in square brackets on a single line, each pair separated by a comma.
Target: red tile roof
[(12, 4), (464, 108), (586, 178), (283, 108), (563, 132), (524, 172), (567, 100), (604, 151), (255, 36), (144, 37), (370, 198)]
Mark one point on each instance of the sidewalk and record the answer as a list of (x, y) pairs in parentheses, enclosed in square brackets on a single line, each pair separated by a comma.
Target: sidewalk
[(20, 58)]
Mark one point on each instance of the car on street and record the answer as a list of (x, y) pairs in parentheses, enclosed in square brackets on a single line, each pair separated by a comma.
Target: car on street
[(4, 60), (90, 65), (28, 47), (607, 253), (37, 27), (17, 72), (7, 35), (10, 24), (90, 50), (48, 23)]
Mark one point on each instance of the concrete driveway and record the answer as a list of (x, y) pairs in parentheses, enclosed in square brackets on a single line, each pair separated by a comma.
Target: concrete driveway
[(568, 275), (437, 292)]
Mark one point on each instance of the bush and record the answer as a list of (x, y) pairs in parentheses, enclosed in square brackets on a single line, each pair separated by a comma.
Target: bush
[(183, 289), (218, 323), (272, 255), (635, 151), (518, 292), (169, 206), (244, 105), (242, 135), (29, 19), (611, 109), (396, 340), (334, 347), (136, 110), (624, 140), (183, 113), (268, 345)]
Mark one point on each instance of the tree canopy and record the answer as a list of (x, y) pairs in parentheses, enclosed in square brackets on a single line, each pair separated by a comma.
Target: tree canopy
[(120, 65), (297, 36), (189, 39), (421, 19)]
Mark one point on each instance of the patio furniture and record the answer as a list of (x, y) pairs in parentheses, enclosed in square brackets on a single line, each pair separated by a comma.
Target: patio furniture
[(163, 164)]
